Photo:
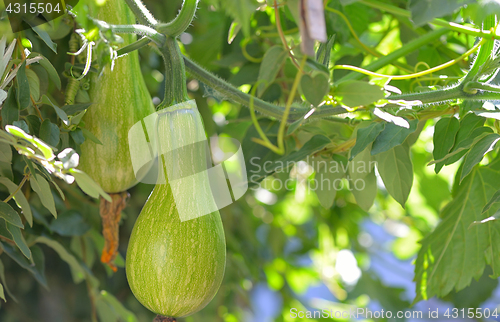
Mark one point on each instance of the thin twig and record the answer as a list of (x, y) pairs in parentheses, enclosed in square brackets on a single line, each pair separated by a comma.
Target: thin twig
[(18, 188), (282, 36)]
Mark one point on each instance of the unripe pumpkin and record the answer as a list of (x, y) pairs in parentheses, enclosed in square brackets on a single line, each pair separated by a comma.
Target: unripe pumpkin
[(120, 99), (175, 267)]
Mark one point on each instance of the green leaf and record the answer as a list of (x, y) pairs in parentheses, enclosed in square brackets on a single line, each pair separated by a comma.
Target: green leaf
[(69, 223), (241, 11), (77, 270), (10, 110), (49, 132), (88, 185), (20, 199), (105, 311), (314, 88), (18, 238), (118, 307), (494, 199), (76, 108), (10, 215), (42, 189), (396, 170), (455, 252), (37, 256), (33, 124), (477, 153), (45, 37), (89, 135), (3, 96), (270, 66), (77, 136), (60, 113), (423, 11), (34, 84), (2, 294), (315, 144), (460, 149), (328, 178), (5, 152), (366, 136), (53, 75), (2, 278), (393, 135), (363, 179), (23, 87), (324, 51), (358, 93), (445, 131)]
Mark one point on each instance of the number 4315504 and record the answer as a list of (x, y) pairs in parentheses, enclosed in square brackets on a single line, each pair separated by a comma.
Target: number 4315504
[(471, 313), (32, 8)]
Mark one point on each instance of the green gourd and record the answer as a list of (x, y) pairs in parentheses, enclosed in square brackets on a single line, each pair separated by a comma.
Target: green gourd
[(120, 99), (175, 267)]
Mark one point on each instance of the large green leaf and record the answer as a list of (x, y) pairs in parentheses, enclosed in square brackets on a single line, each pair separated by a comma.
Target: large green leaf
[(477, 153), (366, 136), (328, 178), (423, 11), (396, 170), (270, 66), (444, 138), (241, 11), (363, 179), (77, 270), (456, 251), (38, 269), (391, 136), (358, 93), (42, 189), (10, 215)]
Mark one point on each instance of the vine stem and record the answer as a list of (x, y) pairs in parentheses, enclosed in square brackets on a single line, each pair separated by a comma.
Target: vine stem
[(181, 22), (142, 13), (17, 190), (415, 75), (282, 35), (149, 32)]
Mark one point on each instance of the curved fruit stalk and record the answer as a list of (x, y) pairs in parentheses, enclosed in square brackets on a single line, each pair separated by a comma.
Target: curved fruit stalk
[(120, 99), (175, 267)]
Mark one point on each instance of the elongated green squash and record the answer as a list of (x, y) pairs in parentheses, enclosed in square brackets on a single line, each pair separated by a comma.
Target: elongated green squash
[(175, 267), (120, 99)]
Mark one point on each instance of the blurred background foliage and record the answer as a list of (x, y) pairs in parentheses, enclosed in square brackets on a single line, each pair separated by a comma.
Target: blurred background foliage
[(284, 249)]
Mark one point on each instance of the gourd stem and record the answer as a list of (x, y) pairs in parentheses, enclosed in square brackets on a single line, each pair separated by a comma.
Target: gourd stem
[(133, 46), (149, 32), (177, 26), (175, 75), (161, 318), (141, 12)]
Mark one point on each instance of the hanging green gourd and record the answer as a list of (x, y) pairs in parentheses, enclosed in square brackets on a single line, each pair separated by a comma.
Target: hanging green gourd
[(120, 99)]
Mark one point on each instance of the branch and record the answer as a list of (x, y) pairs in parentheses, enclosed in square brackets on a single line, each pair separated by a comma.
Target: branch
[(142, 13)]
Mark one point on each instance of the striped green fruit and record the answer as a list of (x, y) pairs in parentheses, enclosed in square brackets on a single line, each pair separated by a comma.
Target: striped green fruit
[(120, 99), (175, 264)]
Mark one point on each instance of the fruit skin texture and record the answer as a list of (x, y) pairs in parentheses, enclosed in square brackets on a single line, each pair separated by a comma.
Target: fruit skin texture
[(174, 267), (120, 100)]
